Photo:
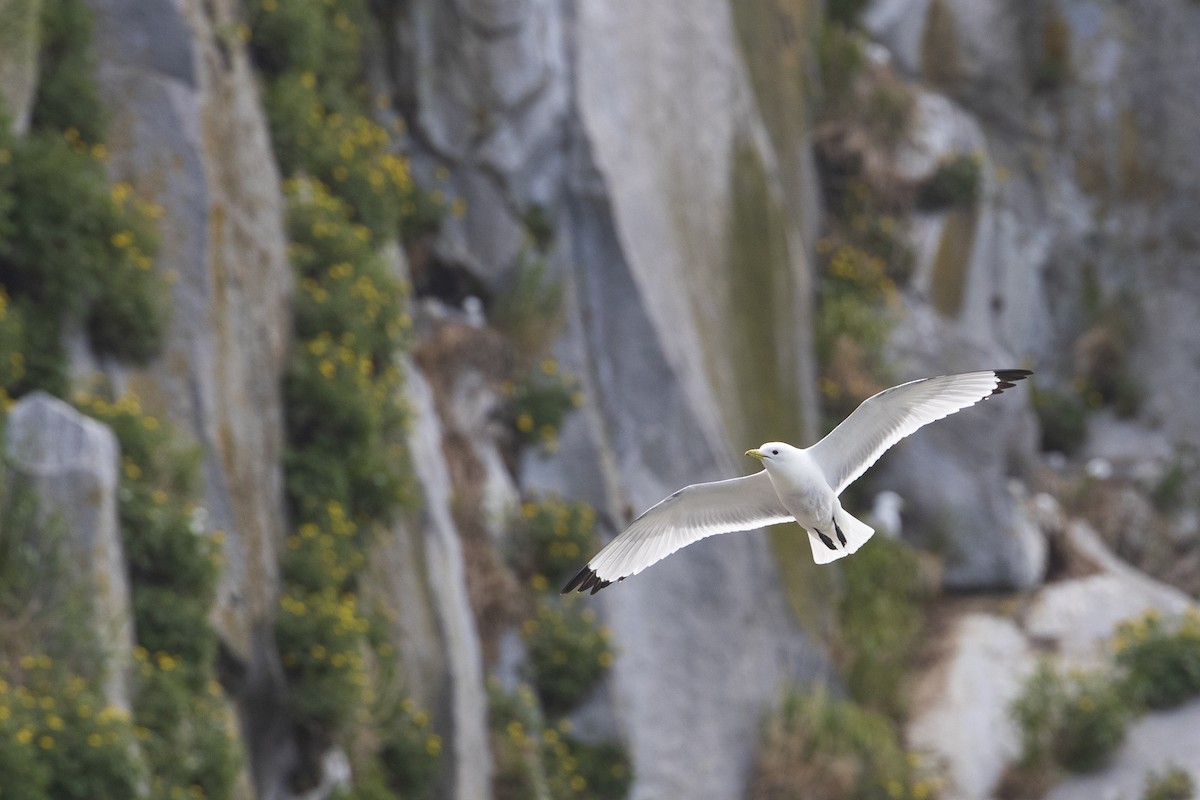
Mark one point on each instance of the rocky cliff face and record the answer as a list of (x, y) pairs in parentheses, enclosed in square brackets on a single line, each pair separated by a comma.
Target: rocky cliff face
[(661, 156), (682, 359)]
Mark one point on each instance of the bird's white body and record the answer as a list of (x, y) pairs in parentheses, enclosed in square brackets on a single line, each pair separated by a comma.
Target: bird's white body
[(804, 491), (800, 485), (796, 485)]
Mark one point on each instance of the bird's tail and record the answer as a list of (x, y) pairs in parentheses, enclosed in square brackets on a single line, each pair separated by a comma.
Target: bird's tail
[(856, 533)]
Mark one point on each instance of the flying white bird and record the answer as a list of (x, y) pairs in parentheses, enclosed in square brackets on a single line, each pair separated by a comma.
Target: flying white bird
[(797, 485)]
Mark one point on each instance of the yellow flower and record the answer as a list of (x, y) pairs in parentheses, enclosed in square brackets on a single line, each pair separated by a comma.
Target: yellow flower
[(433, 745), (46, 742), (95, 740), (525, 423), (539, 583), (54, 722), (24, 736)]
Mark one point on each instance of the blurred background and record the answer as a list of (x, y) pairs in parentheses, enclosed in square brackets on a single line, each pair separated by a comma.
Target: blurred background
[(336, 334)]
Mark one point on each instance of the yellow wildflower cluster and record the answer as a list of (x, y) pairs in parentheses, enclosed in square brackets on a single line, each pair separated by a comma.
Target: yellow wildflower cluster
[(44, 709), (551, 536)]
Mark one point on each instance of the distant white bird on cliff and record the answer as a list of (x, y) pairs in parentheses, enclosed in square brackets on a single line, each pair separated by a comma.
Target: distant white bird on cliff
[(797, 485)]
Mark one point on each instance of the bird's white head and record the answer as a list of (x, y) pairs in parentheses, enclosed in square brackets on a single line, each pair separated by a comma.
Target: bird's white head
[(773, 453)]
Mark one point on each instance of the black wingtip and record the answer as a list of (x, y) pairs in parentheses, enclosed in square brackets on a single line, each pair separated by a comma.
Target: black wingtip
[(580, 577), (1008, 378), (586, 579)]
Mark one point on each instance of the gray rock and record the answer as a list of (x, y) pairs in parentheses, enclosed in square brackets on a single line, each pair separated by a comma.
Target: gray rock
[(960, 703), (19, 60), (72, 463), (474, 412), (1081, 615), (490, 81), (1153, 744), (737, 645), (188, 132), (443, 571), (954, 476)]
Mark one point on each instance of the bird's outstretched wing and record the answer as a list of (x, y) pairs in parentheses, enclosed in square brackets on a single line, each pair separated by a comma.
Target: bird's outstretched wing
[(691, 514), (886, 418)]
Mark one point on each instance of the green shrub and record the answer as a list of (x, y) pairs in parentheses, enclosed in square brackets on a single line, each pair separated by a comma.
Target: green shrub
[(297, 36), (1076, 722), (62, 738), (881, 617), (12, 360), (410, 752), (25, 774), (815, 745), (344, 415), (550, 539), (187, 734), (67, 97), (841, 58), (130, 314), (319, 636), (954, 184), (889, 112), (1161, 661), (1063, 419), (7, 200), (325, 554), (81, 250), (515, 726), (528, 310), (569, 652), (845, 12), (1173, 784), (1168, 495), (529, 754), (538, 226), (62, 224), (582, 771), (854, 319), (351, 154), (539, 404)]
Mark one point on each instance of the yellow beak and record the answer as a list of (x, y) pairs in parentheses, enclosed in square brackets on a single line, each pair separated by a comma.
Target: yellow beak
[(756, 453)]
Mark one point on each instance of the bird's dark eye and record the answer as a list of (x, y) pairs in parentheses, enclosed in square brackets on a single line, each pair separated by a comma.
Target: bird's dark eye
[(774, 452)]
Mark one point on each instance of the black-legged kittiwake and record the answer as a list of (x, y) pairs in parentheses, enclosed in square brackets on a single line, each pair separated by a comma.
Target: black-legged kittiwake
[(797, 485)]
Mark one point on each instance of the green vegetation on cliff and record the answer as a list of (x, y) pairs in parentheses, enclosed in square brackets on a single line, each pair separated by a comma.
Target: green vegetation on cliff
[(349, 193)]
